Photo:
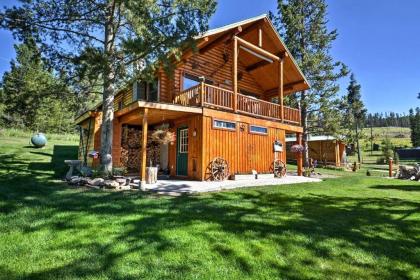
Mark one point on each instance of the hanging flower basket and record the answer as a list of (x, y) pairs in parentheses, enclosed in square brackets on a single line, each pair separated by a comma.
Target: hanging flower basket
[(162, 136), (297, 148)]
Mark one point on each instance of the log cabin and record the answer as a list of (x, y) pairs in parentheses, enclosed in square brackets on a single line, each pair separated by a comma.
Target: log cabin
[(225, 100)]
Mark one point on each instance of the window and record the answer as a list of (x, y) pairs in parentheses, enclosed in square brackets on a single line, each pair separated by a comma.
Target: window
[(188, 81), (224, 124), (146, 91), (258, 129), (183, 141)]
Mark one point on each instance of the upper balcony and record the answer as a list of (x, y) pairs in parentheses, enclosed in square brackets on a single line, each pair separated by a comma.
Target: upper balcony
[(209, 96)]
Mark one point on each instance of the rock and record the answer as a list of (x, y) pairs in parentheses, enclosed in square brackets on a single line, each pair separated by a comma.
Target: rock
[(74, 180), (121, 181), (96, 182), (412, 178), (124, 188), (111, 184), (136, 181)]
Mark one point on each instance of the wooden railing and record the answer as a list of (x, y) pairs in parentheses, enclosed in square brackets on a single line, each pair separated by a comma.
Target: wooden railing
[(291, 115), (205, 95), (189, 97), (257, 107), (217, 97)]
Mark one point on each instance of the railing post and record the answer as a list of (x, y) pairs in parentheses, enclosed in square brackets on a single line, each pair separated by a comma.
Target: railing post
[(281, 84), (202, 89), (235, 74)]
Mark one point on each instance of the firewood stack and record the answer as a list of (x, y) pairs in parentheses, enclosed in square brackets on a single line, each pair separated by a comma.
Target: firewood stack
[(130, 147)]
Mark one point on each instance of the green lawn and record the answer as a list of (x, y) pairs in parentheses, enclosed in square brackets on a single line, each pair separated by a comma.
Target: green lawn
[(353, 227)]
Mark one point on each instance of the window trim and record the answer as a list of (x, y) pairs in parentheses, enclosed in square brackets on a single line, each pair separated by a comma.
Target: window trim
[(224, 128), (256, 132)]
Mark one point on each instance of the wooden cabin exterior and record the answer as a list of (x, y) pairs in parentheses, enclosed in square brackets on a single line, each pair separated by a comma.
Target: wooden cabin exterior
[(224, 100)]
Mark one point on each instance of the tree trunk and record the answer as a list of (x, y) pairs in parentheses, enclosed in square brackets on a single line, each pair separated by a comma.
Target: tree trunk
[(305, 134), (359, 158), (108, 96)]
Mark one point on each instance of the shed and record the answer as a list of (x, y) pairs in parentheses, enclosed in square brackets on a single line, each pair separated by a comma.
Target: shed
[(327, 150)]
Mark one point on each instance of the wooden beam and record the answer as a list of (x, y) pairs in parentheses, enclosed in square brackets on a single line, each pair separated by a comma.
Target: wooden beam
[(235, 73), (262, 63), (281, 88), (252, 27), (143, 149), (299, 160), (221, 39), (257, 49), (286, 87)]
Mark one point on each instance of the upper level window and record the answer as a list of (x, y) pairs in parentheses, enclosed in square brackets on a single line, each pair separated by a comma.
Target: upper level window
[(146, 91), (224, 124), (258, 129), (189, 81)]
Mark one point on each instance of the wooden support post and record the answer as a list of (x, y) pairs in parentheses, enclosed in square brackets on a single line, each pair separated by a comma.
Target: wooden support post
[(299, 158), (337, 153), (202, 91), (390, 161), (260, 37), (281, 89), (143, 150), (235, 73)]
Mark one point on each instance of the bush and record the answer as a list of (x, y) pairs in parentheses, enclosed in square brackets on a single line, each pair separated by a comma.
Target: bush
[(387, 149)]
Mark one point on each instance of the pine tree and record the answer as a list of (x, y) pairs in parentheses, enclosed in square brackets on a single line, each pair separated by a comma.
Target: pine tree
[(105, 39), (29, 86), (303, 26), (415, 126), (355, 113)]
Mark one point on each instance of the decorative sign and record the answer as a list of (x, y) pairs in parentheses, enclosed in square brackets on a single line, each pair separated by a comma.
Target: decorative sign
[(277, 146)]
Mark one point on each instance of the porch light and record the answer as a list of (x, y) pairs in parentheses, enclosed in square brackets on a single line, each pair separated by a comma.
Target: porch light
[(194, 132)]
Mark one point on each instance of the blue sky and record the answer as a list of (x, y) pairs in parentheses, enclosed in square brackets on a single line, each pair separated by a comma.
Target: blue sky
[(378, 40)]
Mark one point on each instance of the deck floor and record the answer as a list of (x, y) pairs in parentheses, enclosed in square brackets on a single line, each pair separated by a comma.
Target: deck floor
[(179, 187)]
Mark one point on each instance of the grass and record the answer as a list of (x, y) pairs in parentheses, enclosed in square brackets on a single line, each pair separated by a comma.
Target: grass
[(352, 227)]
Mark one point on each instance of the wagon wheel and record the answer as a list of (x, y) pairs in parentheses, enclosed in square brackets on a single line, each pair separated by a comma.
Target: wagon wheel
[(219, 169), (279, 168)]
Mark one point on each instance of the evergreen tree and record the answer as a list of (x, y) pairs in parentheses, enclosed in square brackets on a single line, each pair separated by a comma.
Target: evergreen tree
[(355, 113), (28, 87), (415, 126), (303, 26), (107, 39)]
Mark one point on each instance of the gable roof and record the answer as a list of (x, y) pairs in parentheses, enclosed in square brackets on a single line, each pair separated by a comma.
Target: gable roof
[(272, 43)]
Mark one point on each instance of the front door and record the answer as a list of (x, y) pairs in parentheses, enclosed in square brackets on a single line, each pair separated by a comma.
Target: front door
[(182, 151)]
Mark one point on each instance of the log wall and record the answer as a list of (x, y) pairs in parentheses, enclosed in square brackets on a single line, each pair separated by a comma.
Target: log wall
[(244, 151)]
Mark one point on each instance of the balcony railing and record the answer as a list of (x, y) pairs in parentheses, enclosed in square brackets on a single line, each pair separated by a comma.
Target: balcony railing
[(210, 96)]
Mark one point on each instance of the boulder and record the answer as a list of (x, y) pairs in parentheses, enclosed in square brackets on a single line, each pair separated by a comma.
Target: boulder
[(111, 184), (121, 181), (74, 180), (96, 182), (124, 188)]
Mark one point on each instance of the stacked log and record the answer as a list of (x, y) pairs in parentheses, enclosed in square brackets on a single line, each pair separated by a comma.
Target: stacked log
[(131, 147)]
